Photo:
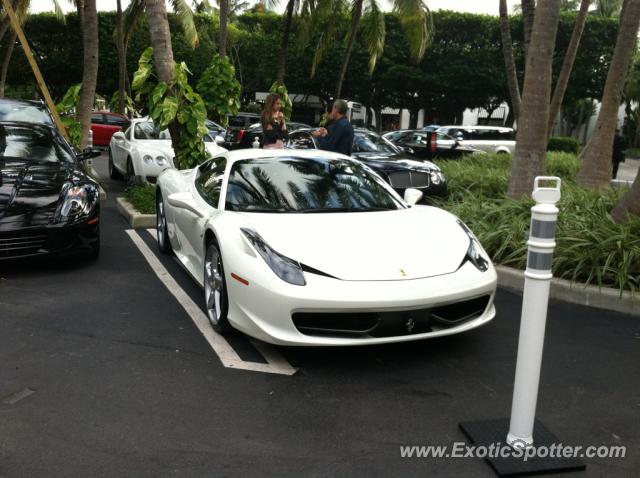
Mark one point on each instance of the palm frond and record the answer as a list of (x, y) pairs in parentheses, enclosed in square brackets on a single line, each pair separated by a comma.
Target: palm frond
[(373, 33), (57, 9), (131, 17), (185, 16), (417, 23)]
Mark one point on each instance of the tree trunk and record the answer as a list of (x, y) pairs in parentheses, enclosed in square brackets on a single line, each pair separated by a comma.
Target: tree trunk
[(531, 147), (567, 64), (509, 61), (122, 60), (284, 44), (7, 62), (596, 166), (528, 17), (629, 204), (355, 25), (224, 19), (162, 54), (89, 69)]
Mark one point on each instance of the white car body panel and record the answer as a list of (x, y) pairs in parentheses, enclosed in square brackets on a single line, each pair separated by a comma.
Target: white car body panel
[(381, 261), (136, 149)]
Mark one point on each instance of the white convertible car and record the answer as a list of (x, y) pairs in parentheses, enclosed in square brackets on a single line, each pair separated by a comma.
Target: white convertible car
[(145, 152), (299, 247)]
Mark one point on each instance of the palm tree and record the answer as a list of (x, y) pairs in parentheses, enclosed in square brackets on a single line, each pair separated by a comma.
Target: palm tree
[(127, 26), (162, 50), (596, 166), (89, 25), (415, 18), (531, 148), (629, 204), (567, 64), (509, 60), (291, 8)]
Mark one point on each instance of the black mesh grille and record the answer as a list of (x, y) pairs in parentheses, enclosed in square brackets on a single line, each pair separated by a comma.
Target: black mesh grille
[(389, 324), (21, 244)]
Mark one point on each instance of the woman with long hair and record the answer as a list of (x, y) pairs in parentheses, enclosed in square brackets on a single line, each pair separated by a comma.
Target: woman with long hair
[(274, 126)]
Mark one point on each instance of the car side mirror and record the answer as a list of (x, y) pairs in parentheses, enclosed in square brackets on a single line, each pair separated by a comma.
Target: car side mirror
[(119, 136), (183, 201), (219, 140), (412, 196), (88, 153)]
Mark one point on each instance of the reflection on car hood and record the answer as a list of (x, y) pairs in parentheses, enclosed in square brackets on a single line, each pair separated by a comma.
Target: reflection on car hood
[(389, 245), (30, 190)]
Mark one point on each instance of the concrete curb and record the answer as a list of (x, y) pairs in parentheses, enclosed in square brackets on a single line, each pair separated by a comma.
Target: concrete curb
[(575, 293), (133, 217)]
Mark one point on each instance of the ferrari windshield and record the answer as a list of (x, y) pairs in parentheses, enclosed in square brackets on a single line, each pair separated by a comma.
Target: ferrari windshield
[(372, 143), (35, 143), (306, 185)]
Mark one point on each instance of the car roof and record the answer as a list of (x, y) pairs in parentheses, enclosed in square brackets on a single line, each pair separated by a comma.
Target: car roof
[(38, 104), (500, 128), (259, 153)]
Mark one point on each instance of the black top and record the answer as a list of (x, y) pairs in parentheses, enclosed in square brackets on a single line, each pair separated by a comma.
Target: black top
[(273, 134), (339, 138)]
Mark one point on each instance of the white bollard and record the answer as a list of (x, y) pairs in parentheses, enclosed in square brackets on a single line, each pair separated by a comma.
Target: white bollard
[(535, 300)]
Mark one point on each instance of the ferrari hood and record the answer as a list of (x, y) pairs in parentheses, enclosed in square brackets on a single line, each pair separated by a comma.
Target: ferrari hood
[(388, 245), (29, 191)]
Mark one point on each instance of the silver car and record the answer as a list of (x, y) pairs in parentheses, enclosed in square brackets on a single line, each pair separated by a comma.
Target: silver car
[(490, 139)]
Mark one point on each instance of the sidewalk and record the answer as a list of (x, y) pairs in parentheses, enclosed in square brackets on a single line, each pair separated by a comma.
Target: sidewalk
[(629, 169)]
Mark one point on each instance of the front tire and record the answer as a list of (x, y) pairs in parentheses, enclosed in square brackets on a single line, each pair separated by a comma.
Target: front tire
[(131, 173), (215, 290), (161, 226)]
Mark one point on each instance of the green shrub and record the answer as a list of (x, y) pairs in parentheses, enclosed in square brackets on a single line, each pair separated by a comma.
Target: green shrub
[(220, 90), (142, 197), (591, 247), (564, 144)]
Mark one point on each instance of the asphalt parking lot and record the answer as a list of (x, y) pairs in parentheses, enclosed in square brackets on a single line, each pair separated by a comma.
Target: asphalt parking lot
[(105, 373)]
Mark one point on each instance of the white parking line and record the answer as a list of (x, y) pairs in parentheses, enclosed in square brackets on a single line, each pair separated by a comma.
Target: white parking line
[(276, 362)]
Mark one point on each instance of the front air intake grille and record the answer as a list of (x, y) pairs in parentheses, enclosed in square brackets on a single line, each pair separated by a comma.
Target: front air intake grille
[(21, 244), (389, 324)]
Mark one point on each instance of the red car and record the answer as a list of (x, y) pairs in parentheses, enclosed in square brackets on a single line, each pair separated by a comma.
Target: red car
[(104, 124)]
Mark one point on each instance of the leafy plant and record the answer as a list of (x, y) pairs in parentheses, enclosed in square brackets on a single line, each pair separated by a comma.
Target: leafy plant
[(142, 197), (67, 109), (128, 102), (175, 106), (591, 247), (220, 89), (564, 144), (281, 90)]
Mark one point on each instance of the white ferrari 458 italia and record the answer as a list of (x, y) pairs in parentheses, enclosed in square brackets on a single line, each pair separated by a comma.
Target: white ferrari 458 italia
[(144, 151), (300, 248)]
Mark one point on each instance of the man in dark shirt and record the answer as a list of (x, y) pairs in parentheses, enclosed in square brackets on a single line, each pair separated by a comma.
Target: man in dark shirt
[(618, 152), (338, 137)]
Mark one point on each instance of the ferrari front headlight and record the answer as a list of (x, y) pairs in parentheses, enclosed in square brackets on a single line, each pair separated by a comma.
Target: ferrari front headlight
[(284, 267), (77, 202), (475, 253)]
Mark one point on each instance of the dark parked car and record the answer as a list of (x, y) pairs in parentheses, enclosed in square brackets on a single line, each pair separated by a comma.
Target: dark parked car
[(47, 204), (428, 145), (394, 165), (241, 138)]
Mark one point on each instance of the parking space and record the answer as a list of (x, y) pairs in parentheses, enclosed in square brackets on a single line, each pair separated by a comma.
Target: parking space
[(108, 369)]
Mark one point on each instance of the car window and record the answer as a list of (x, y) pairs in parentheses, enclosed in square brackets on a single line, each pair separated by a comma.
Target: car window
[(33, 143), (117, 121), (147, 130), (420, 139), (97, 118), (307, 185), (209, 180), (24, 113), (301, 141), (372, 143)]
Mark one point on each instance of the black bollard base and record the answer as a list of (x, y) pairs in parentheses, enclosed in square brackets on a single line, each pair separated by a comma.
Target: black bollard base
[(487, 432)]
